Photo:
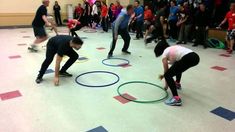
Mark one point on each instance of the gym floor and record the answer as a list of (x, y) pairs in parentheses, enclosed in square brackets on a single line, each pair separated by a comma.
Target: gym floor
[(207, 94)]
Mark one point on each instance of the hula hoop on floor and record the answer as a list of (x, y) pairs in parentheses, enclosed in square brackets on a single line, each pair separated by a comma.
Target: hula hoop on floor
[(105, 85), (139, 101), (119, 65)]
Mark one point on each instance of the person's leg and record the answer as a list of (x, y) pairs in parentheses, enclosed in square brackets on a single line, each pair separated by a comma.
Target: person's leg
[(141, 29), (113, 45), (178, 68), (181, 34), (56, 18), (137, 30), (197, 37), (50, 53), (126, 37), (187, 32), (59, 17), (73, 56), (106, 24), (103, 23)]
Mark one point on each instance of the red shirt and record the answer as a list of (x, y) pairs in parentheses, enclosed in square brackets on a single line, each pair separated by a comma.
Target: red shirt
[(104, 11), (148, 15), (72, 22), (79, 10), (230, 16)]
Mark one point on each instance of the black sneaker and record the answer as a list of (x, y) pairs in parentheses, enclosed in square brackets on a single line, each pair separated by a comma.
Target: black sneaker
[(180, 42), (110, 56), (38, 80), (126, 52), (195, 45), (65, 74)]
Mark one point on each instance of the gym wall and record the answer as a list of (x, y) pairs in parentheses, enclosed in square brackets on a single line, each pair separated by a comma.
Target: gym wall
[(21, 12)]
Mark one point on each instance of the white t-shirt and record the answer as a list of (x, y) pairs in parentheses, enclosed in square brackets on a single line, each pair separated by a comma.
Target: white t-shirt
[(175, 53), (94, 10)]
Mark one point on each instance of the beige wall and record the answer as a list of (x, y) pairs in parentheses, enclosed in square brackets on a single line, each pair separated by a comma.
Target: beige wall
[(21, 12)]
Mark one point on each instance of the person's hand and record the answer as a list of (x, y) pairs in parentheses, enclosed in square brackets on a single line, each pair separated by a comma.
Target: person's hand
[(56, 81), (48, 24), (160, 77), (196, 27), (207, 27)]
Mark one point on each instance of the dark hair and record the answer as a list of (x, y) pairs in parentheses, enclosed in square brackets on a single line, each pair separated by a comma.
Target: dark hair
[(137, 1), (77, 40), (160, 47), (173, 1), (129, 7)]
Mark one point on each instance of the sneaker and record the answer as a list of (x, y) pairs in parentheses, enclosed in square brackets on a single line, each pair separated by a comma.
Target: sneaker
[(38, 80), (32, 49), (110, 56), (173, 102), (195, 45), (65, 74), (184, 42), (178, 86), (126, 52), (230, 51), (180, 42)]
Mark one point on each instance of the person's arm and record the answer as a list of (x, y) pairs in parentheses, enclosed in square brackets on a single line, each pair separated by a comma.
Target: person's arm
[(57, 68), (165, 66), (117, 24), (222, 23), (44, 17), (59, 8)]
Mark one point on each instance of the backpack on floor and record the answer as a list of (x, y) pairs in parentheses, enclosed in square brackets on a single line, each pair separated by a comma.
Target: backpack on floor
[(215, 43)]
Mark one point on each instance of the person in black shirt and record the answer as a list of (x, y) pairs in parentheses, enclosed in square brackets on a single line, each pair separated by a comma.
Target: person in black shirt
[(202, 25), (38, 23), (57, 13), (60, 45), (87, 14)]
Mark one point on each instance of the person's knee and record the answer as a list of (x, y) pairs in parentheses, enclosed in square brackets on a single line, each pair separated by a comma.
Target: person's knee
[(74, 57)]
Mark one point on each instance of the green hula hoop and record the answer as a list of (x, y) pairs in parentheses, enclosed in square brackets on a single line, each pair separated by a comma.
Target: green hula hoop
[(139, 101)]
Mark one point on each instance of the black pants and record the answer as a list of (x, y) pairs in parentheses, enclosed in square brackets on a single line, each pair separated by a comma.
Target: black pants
[(139, 29), (173, 29), (73, 31), (58, 18), (188, 61), (125, 36), (50, 53), (201, 36), (104, 24)]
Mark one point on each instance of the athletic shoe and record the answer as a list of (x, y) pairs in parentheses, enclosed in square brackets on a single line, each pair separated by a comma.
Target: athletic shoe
[(178, 86), (184, 42), (180, 42), (195, 45), (110, 56), (173, 102), (126, 52), (38, 80), (32, 49), (65, 74), (230, 51)]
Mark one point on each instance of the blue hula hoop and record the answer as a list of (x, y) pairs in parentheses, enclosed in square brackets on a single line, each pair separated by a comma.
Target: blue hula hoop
[(106, 85), (127, 62)]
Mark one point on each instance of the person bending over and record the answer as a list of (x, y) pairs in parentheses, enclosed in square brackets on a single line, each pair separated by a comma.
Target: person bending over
[(74, 25), (181, 59), (60, 45)]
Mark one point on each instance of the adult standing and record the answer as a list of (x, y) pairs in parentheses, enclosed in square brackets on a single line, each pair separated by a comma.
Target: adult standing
[(139, 18), (120, 27), (173, 20), (39, 21), (57, 14)]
